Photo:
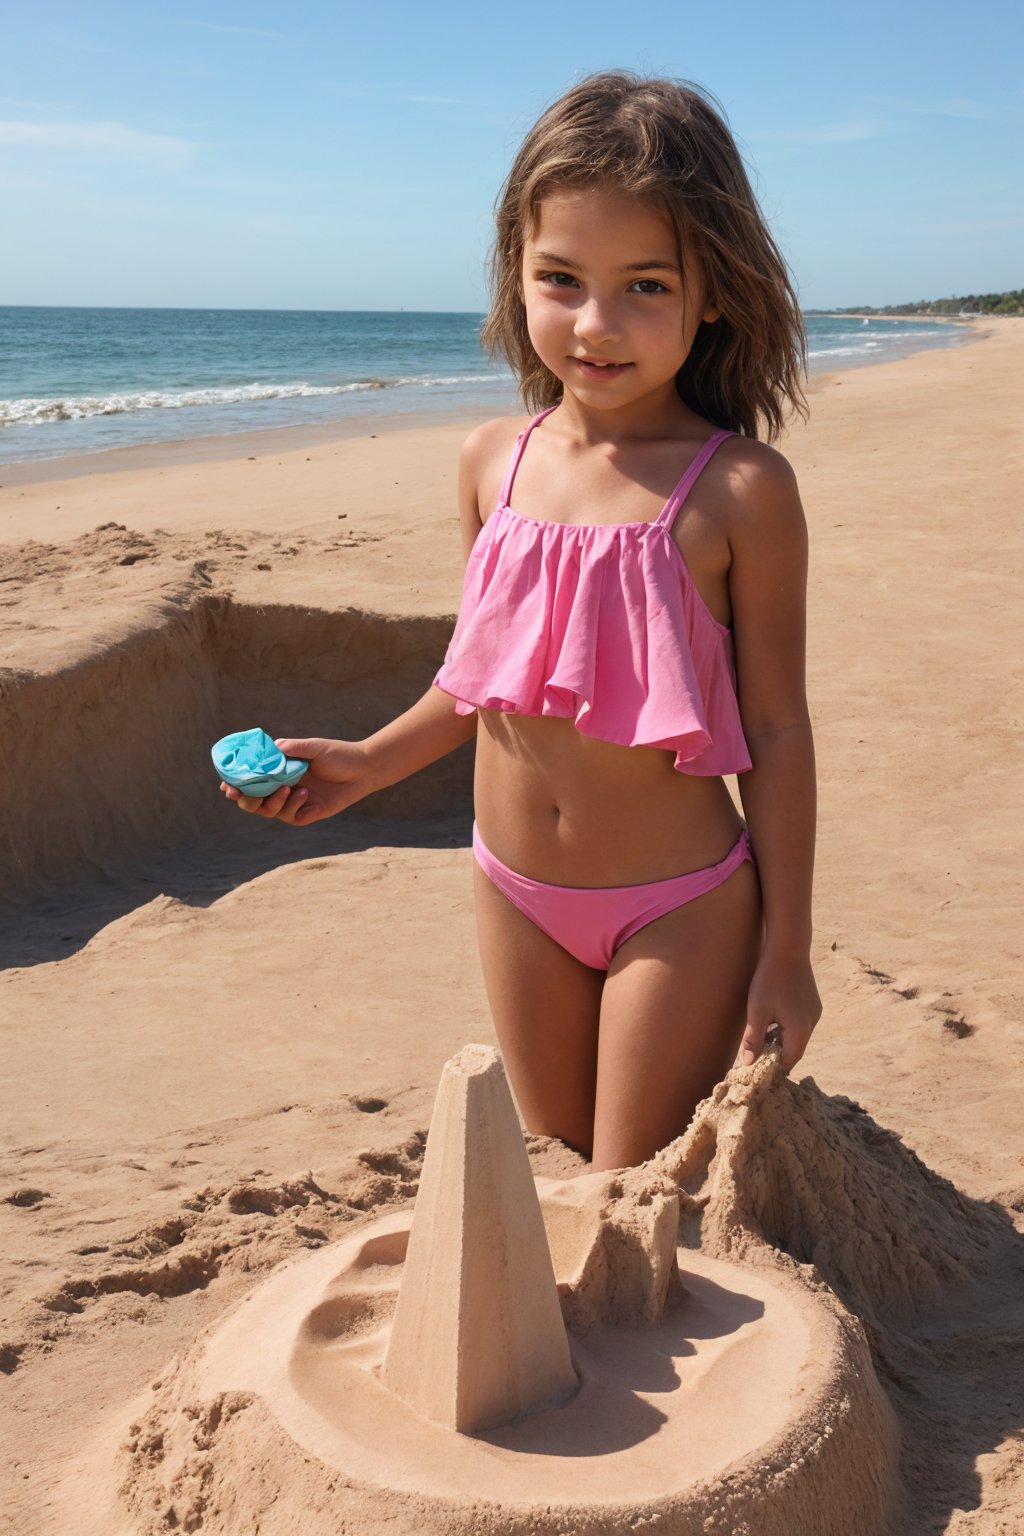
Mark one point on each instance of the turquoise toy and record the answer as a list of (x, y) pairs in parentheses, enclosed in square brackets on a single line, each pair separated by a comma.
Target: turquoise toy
[(251, 762)]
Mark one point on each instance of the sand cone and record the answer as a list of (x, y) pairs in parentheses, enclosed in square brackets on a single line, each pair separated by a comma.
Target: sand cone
[(478, 1337)]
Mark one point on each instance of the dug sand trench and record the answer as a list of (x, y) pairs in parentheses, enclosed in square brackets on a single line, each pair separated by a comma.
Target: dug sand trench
[(106, 745)]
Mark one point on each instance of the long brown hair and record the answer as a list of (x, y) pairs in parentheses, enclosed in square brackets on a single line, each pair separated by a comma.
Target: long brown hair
[(666, 143)]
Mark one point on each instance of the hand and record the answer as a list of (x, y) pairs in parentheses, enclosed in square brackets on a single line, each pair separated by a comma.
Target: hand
[(783, 994), (338, 776)]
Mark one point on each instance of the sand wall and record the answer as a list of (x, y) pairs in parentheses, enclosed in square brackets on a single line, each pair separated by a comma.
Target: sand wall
[(106, 758)]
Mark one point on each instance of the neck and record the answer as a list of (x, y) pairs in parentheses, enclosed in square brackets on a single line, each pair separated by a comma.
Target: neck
[(656, 416)]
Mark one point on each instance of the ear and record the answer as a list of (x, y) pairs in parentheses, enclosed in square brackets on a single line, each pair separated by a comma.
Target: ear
[(711, 314)]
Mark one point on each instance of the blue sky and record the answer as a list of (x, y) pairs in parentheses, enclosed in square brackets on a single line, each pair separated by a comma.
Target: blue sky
[(344, 156)]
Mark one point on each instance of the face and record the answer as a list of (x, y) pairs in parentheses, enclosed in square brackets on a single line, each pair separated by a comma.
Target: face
[(607, 307)]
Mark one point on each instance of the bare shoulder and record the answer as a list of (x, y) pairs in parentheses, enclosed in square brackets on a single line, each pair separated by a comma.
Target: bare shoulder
[(499, 429), (485, 453), (491, 438), (762, 493), (482, 461)]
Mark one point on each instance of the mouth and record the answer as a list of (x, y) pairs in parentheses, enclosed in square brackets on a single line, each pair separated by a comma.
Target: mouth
[(600, 368)]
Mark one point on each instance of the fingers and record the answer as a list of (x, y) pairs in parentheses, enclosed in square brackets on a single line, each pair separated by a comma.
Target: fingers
[(752, 1044), (783, 1007), (296, 810), (794, 1043), (271, 806), (266, 805), (760, 1036), (301, 746)]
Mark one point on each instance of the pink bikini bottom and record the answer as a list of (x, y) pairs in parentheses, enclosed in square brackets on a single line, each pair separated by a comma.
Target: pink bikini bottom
[(592, 921)]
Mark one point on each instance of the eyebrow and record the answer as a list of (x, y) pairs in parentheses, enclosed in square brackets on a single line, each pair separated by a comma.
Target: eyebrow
[(633, 266)]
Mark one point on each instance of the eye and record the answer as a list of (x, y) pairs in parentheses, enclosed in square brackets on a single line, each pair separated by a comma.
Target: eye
[(649, 285), (557, 279)]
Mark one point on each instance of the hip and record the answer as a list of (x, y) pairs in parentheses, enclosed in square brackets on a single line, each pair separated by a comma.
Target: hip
[(570, 810)]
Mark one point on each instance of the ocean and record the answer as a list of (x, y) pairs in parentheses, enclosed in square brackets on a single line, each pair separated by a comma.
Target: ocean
[(78, 381)]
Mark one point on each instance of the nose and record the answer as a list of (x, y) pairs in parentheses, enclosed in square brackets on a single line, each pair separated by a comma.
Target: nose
[(597, 320)]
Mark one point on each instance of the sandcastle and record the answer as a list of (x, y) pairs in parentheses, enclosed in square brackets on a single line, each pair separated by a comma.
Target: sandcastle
[(527, 1356)]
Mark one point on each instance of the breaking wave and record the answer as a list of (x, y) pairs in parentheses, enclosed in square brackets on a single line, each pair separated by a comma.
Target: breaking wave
[(31, 411)]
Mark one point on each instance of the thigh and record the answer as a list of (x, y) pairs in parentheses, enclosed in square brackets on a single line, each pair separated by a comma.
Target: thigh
[(672, 1017), (546, 1010)]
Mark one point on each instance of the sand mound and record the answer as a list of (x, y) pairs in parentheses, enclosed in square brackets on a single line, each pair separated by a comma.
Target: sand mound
[(871, 1232), (796, 1177), (814, 1176), (614, 1458)]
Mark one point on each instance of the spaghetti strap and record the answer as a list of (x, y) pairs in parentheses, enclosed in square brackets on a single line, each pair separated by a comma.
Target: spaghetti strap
[(598, 624), (667, 516), (517, 453)]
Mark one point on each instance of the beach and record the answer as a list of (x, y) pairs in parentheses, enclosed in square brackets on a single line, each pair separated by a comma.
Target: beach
[(222, 1039)]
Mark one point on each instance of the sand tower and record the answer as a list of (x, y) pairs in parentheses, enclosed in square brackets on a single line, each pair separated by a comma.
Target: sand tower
[(523, 1356), (478, 1338)]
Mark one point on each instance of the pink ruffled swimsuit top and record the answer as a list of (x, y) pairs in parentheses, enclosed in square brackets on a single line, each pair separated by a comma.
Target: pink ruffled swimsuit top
[(600, 624)]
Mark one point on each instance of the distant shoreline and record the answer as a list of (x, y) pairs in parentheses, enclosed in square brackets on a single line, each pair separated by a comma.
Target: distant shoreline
[(246, 442), (873, 314), (220, 447)]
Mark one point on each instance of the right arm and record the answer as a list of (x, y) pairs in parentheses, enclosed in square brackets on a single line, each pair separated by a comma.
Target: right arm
[(342, 772)]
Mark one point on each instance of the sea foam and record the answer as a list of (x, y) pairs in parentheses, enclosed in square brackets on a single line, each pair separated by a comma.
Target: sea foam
[(31, 410)]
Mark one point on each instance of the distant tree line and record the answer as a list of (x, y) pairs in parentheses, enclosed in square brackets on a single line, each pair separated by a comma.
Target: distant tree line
[(1009, 303)]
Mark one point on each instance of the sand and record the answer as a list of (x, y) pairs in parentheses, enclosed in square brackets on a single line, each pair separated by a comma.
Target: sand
[(222, 1040), (693, 1386)]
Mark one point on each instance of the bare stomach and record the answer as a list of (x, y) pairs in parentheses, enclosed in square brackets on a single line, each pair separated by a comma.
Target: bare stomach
[(560, 807)]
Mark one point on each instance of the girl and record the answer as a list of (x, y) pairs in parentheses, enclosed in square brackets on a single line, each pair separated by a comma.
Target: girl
[(631, 629)]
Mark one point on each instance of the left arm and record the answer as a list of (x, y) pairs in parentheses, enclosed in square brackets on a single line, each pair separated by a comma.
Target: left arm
[(767, 584)]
